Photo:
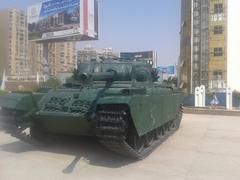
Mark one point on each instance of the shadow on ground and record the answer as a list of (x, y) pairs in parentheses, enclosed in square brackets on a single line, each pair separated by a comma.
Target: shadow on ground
[(80, 147)]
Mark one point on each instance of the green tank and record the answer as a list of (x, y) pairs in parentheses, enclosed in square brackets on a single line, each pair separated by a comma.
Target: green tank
[(118, 102)]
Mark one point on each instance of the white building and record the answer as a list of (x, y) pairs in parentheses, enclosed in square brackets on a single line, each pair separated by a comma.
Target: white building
[(233, 76)]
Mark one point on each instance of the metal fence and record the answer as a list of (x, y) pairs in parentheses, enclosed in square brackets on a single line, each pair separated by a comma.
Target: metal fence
[(189, 100)]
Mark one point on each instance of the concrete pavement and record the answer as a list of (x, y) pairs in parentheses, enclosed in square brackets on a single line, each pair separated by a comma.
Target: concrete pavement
[(205, 148)]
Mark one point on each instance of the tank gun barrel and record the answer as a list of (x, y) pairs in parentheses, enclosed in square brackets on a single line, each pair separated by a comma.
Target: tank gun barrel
[(104, 75), (98, 76)]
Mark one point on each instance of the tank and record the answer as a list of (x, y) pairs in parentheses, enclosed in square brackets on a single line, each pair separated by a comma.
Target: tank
[(118, 102)]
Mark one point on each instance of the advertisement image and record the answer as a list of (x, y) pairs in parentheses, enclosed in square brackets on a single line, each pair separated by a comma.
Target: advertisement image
[(137, 55), (55, 19), (166, 70)]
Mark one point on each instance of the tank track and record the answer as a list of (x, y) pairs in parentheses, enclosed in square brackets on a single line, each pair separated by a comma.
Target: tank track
[(11, 124), (112, 133)]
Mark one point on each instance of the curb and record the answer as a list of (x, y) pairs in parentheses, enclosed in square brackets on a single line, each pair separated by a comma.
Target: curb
[(218, 112)]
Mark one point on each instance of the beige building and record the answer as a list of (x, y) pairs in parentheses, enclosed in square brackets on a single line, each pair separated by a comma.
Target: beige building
[(23, 59), (89, 53), (35, 55), (217, 67), (62, 57), (185, 45), (203, 57), (13, 43)]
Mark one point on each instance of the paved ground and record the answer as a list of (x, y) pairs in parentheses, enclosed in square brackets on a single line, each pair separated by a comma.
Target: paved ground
[(205, 148)]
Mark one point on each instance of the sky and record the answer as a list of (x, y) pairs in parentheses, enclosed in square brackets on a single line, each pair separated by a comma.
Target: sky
[(133, 25)]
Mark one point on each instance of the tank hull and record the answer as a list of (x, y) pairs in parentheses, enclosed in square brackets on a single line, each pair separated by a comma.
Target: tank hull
[(120, 105), (66, 124)]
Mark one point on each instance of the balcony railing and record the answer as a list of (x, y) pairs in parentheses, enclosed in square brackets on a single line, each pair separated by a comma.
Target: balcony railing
[(217, 85)]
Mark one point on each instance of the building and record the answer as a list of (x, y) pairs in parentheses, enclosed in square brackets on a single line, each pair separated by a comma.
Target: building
[(185, 64), (217, 65), (35, 56), (62, 57), (203, 58), (23, 60), (146, 56), (62, 61), (89, 53), (233, 41), (13, 43)]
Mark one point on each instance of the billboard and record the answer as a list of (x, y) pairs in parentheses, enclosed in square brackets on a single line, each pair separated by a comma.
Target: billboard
[(170, 70), (62, 20), (137, 55), (148, 56)]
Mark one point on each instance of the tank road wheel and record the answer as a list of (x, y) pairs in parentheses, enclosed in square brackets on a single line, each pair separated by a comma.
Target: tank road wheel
[(173, 124), (167, 128), (138, 143), (149, 139), (179, 116), (159, 133)]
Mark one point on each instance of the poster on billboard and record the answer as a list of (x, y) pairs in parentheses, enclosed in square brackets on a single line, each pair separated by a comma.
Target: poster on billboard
[(62, 20), (137, 55), (170, 70), (147, 56)]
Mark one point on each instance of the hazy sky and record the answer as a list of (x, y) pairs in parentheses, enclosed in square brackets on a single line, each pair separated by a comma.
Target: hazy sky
[(133, 25)]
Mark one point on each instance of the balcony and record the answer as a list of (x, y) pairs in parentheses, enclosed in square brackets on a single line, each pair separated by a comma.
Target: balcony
[(217, 86)]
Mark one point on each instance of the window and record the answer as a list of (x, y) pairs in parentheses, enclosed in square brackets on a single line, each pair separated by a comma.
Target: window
[(195, 66), (218, 29), (218, 8), (204, 75), (218, 51), (217, 75)]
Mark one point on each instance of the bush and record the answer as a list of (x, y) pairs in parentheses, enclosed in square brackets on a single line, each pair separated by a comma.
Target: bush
[(2, 92), (51, 83)]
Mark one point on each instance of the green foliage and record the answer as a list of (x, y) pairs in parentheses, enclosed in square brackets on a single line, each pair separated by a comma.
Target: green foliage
[(2, 92), (75, 75), (236, 93), (51, 83), (70, 80)]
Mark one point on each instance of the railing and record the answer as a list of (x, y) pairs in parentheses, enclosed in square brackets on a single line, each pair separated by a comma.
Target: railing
[(217, 86)]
